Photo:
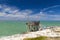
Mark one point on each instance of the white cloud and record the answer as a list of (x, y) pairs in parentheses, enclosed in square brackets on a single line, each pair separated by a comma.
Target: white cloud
[(11, 13), (44, 14), (2, 14), (50, 7), (49, 17)]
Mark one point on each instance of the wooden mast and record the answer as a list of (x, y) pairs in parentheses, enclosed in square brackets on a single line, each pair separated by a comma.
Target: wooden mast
[(27, 23), (32, 25)]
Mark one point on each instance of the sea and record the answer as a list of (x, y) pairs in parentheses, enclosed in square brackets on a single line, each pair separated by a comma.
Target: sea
[(17, 27)]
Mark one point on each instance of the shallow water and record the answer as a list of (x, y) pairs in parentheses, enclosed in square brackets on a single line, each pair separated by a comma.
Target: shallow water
[(50, 23), (16, 27), (11, 27)]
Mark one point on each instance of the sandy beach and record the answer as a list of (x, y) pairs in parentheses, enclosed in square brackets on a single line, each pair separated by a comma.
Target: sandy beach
[(45, 32)]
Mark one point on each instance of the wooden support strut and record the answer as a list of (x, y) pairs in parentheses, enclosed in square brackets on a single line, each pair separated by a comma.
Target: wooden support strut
[(33, 26)]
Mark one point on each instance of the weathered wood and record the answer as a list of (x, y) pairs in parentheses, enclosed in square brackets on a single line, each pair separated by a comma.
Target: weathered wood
[(33, 26)]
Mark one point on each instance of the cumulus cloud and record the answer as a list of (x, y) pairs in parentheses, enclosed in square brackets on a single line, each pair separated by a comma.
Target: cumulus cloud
[(10, 12), (50, 13), (13, 13), (44, 16)]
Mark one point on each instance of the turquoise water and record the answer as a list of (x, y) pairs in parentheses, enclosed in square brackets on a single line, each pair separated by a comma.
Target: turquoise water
[(16, 27), (11, 27), (50, 23)]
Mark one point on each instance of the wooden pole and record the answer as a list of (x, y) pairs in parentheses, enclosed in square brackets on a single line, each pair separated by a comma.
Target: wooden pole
[(27, 23)]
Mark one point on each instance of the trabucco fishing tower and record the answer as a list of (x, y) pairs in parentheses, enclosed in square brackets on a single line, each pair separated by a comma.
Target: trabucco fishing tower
[(33, 25)]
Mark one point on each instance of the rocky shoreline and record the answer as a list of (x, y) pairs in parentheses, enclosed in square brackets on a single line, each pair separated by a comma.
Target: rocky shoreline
[(51, 33), (45, 32)]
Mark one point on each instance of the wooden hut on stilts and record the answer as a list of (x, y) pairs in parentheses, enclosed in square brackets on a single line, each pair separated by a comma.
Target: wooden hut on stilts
[(32, 25)]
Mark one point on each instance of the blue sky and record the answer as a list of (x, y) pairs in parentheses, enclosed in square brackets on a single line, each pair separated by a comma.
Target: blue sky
[(35, 9)]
